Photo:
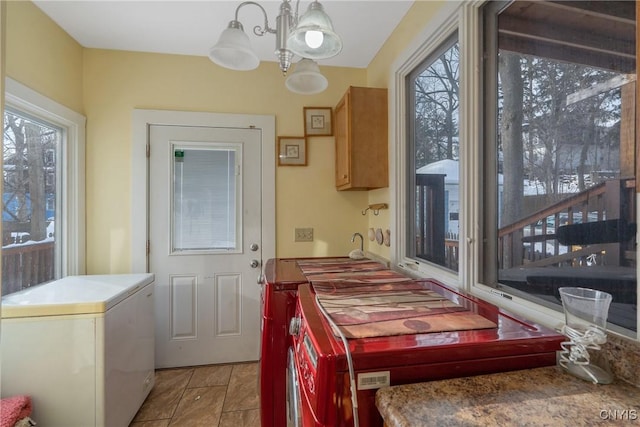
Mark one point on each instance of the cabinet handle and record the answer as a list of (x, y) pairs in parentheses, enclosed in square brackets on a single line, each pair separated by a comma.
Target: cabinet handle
[(344, 176)]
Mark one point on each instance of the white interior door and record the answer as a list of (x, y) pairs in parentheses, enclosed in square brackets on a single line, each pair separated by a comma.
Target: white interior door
[(205, 243)]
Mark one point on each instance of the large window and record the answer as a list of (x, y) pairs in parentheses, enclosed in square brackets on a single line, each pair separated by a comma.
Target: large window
[(432, 164), (560, 144), (545, 152), (42, 200), (30, 183)]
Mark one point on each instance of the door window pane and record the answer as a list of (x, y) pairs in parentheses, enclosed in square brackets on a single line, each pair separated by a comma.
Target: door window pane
[(30, 195), (433, 158), (205, 199), (564, 145)]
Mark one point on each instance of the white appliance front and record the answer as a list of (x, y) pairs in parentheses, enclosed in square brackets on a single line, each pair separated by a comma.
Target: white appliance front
[(81, 347)]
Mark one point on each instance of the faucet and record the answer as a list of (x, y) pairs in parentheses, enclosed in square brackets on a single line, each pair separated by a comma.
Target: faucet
[(353, 239)]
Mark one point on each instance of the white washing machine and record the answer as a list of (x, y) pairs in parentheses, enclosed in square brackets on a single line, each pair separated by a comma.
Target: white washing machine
[(81, 347)]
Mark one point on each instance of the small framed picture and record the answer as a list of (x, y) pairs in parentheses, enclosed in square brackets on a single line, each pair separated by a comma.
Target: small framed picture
[(292, 151), (318, 121)]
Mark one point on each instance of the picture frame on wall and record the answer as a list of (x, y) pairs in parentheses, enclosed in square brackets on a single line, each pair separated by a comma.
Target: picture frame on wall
[(318, 121), (292, 151)]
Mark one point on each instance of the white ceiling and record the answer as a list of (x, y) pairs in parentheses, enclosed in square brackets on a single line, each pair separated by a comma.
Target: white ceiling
[(193, 27)]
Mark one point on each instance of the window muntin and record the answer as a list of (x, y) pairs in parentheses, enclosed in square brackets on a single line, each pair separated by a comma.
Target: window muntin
[(432, 163), (560, 163)]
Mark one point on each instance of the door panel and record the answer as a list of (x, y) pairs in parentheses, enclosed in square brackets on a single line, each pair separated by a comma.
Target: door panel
[(183, 306), (228, 288), (204, 216)]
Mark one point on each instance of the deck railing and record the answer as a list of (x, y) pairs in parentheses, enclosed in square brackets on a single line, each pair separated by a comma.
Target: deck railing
[(452, 251), (532, 241), (27, 265)]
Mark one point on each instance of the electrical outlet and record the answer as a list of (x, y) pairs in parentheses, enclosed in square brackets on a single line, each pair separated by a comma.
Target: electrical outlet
[(304, 235)]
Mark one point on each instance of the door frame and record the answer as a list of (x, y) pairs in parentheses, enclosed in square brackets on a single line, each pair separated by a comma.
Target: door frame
[(143, 119)]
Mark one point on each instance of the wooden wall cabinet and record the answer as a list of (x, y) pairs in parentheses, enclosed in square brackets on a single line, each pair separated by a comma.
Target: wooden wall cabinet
[(361, 135)]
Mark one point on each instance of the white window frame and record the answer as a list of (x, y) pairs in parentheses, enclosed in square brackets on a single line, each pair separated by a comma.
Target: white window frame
[(70, 211), (465, 17), (445, 23)]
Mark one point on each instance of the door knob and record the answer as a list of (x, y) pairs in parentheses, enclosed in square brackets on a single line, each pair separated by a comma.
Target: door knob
[(255, 263)]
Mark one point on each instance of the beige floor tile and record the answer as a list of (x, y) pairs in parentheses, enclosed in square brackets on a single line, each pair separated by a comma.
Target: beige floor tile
[(207, 376), (156, 423), (195, 396), (248, 418), (200, 407), (165, 395), (242, 392)]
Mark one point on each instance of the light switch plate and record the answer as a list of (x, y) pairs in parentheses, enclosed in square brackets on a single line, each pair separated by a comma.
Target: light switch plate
[(304, 235)]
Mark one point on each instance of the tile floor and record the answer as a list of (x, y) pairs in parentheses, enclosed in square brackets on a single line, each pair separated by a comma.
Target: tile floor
[(206, 396)]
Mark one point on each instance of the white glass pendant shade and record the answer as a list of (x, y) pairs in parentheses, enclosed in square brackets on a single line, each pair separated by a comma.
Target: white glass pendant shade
[(306, 79), (305, 41), (233, 49)]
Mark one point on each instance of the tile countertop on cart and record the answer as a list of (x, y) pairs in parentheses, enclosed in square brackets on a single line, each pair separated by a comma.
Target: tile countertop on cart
[(534, 397)]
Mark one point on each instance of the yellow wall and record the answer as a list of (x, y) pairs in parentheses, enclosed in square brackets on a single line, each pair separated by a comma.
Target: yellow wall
[(116, 82), (107, 85), (379, 74), (42, 56)]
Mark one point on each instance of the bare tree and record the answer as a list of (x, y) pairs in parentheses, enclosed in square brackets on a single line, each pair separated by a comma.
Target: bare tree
[(436, 105), (511, 136), (15, 185), (35, 159), (25, 188)]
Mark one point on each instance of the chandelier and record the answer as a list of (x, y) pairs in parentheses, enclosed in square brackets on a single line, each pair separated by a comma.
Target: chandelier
[(311, 37)]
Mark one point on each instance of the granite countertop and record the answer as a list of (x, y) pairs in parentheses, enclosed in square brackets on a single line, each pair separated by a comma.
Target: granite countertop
[(534, 397)]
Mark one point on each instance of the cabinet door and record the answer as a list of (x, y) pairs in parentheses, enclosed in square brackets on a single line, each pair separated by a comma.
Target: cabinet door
[(343, 142)]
